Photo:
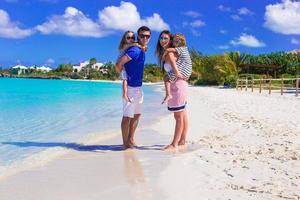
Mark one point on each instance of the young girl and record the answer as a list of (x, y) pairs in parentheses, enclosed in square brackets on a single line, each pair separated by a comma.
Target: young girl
[(127, 40), (183, 63)]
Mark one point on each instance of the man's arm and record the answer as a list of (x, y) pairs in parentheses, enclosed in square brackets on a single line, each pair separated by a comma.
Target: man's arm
[(121, 62)]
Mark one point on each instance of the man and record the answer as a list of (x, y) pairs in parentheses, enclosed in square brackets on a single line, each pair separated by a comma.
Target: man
[(133, 61)]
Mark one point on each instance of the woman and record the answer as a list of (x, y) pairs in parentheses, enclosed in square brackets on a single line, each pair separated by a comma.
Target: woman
[(178, 90)]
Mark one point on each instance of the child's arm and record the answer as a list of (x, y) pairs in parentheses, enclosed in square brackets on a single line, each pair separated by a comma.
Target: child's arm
[(144, 48), (168, 50), (124, 88), (121, 62)]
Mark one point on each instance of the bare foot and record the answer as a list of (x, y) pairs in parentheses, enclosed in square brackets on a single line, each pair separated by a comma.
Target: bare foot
[(182, 146), (170, 148), (126, 146), (132, 144), (166, 99)]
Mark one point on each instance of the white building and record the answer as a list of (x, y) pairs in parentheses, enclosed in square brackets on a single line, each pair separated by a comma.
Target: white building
[(295, 51), (78, 68), (44, 69), (19, 69)]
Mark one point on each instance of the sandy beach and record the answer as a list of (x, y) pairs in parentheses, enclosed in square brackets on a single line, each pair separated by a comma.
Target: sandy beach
[(241, 145)]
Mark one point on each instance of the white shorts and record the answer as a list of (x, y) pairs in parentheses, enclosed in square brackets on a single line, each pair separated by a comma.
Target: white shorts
[(136, 96)]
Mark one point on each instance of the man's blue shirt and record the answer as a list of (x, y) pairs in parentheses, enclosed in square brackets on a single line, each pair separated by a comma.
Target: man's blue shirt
[(135, 67)]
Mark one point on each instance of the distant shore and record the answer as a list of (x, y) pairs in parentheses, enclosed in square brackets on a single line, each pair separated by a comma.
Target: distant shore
[(32, 76)]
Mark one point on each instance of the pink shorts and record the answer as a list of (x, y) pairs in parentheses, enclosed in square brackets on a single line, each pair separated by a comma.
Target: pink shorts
[(179, 96)]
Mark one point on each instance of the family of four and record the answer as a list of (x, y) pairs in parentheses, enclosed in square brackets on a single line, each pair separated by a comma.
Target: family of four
[(174, 57)]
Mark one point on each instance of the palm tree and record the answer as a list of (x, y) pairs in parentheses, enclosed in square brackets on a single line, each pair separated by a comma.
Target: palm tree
[(92, 62), (236, 57)]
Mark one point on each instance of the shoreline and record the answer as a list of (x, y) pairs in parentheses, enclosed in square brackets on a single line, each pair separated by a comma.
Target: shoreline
[(83, 80)]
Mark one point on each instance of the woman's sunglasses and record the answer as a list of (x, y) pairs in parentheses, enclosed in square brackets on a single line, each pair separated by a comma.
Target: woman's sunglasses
[(164, 38)]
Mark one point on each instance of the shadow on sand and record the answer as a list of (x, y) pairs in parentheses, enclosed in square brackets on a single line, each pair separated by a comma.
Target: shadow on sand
[(79, 147)]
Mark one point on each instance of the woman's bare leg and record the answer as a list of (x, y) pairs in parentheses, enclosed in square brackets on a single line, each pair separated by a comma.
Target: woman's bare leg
[(185, 128), (178, 131)]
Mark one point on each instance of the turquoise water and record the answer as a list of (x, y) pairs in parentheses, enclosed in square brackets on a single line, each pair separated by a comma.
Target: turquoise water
[(37, 115)]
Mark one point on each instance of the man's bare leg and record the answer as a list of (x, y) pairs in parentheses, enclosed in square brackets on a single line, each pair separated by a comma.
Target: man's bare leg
[(125, 131), (132, 128)]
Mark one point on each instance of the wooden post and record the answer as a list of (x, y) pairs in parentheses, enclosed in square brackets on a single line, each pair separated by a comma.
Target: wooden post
[(241, 85), (252, 84), (259, 85), (246, 84), (269, 86), (297, 87), (281, 87)]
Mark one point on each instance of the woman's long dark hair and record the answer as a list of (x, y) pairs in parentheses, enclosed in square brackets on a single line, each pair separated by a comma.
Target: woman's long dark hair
[(159, 49), (123, 41)]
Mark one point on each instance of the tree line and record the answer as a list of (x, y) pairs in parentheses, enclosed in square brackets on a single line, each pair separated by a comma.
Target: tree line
[(207, 69)]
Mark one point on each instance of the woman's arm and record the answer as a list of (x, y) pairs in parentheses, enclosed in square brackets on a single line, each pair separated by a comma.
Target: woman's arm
[(170, 58)]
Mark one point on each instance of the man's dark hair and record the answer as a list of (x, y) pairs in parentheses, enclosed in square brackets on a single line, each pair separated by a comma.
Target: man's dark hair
[(143, 28)]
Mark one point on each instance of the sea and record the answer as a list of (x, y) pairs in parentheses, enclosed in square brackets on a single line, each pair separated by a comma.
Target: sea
[(41, 119)]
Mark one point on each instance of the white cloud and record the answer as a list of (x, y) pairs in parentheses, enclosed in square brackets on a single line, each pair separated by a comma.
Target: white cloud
[(9, 29), (197, 23), (49, 1), (195, 32), (73, 23), (223, 31), (224, 8), (11, 1), (295, 41), (245, 11), (283, 17), (247, 40), (236, 17), (192, 14), (193, 26), (223, 47), (50, 61), (127, 17)]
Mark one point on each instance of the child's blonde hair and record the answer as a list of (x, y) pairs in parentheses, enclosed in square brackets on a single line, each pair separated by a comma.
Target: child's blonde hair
[(123, 41), (181, 40)]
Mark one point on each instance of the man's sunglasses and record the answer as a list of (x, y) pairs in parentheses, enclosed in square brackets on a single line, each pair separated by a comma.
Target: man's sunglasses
[(144, 36)]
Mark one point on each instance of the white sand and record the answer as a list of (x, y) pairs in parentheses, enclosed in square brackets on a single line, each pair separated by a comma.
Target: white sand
[(242, 145)]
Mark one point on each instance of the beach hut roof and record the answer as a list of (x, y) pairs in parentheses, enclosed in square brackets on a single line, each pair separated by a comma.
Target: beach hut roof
[(19, 67), (295, 51), (44, 68)]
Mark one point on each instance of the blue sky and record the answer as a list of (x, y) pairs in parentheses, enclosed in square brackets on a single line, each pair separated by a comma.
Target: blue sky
[(51, 32)]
